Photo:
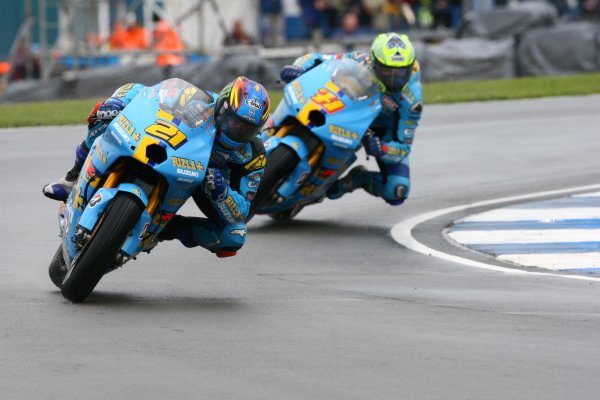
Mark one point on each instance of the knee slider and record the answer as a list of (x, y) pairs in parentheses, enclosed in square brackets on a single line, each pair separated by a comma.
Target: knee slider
[(233, 236), (396, 190)]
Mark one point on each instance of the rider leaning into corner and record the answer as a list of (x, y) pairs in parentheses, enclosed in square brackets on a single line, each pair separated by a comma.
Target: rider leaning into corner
[(236, 164), (393, 63)]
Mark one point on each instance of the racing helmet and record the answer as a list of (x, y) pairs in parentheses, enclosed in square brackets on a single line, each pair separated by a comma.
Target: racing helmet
[(393, 56), (240, 111)]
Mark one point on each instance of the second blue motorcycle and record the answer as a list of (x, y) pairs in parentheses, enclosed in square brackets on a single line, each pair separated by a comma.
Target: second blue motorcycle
[(314, 134)]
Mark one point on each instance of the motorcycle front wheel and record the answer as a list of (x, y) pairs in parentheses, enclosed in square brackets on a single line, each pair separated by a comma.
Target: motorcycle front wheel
[(103, 246), (57, 269), (280, 164)]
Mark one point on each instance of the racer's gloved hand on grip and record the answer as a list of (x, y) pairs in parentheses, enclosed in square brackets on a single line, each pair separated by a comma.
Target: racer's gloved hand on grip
[(374, 146), (290, 72), (106, 110), (216, 186)]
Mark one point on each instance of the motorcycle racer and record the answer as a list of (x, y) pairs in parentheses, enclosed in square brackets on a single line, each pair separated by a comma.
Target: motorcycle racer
[(233, 175), (392, 61)]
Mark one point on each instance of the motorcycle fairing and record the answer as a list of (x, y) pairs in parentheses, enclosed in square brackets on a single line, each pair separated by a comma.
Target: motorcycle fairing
[(146, 125)]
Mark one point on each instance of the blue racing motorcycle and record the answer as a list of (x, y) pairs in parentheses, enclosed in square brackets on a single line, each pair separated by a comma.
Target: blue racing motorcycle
[(135, 178), (313, 135)]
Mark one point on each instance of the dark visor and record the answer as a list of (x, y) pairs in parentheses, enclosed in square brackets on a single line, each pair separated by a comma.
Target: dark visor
[(394, 78), (236, 128)]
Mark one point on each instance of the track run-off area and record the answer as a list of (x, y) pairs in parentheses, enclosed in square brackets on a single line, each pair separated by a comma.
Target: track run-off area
[(353, 299)]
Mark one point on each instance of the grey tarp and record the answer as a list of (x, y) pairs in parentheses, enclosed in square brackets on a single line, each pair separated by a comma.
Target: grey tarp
[(472, 58), (102, 81), (561, 49), (508, 21)]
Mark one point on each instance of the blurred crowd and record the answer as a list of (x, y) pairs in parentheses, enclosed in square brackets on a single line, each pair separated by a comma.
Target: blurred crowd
[(289, 20), (284, 21)]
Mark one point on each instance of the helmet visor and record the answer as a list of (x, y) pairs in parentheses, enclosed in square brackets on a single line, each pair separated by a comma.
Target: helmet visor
[(236, 128), (393, 78)]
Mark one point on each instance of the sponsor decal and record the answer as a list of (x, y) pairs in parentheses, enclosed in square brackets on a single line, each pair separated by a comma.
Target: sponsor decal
[(253, 103), (137, 192), (167, 131), (233, 207), (409, 132), (187, 163), (328, 101), (107, 114), (97, 129), (230, 210), (389, 103), (122, 133), (114, 135), (297, 88), (123, 90), (408, 95), (187, 172), (101, 154), (343, 132), (241, 232), (95, 200), (341, 139), (78, 199), (128, 126), (393, 151), (258, 163), (144, 229), (253, 184), (187, 95)]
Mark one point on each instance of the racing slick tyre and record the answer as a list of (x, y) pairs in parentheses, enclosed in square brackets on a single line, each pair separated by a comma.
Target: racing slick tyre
[(280, 164), (58, 268), (100, 251)]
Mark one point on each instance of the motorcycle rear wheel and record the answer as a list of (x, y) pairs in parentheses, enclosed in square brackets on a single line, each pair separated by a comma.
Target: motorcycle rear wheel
[(102, 248), (280, 164)]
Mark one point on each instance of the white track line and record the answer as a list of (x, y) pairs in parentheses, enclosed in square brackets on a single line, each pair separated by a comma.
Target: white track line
[(402, 233)]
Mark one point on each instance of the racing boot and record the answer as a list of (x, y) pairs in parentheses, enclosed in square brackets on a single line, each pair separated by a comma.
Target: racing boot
[(353, 180), (60, 189), (197, 231), (179, 228)]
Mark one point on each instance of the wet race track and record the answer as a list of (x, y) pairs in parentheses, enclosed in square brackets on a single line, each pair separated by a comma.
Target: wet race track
[(328, 306)]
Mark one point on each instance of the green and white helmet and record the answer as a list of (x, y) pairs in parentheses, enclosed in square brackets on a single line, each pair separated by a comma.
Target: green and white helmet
[(393, 58)]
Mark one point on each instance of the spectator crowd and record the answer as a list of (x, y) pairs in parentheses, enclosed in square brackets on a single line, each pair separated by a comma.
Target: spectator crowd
[(289, 20)]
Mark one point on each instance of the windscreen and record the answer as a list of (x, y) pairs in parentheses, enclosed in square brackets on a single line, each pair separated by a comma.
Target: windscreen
[(185, 101), (355, 79)]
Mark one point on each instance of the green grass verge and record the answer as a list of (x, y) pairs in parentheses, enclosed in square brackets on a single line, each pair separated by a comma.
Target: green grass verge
[(75, 111)]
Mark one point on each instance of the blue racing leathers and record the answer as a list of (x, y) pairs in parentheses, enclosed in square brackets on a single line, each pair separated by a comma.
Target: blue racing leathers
[(224, 230), (395, 127)]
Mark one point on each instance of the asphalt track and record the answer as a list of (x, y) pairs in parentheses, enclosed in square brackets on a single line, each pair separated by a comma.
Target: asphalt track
[(326, 307)]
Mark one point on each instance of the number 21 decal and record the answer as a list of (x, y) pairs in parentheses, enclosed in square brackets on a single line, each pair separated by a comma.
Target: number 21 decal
[(168, 132)]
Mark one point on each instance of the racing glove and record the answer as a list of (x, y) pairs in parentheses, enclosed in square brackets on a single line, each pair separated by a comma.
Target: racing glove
[(215, 185), (374, 146), (106, 111), (290, 72)]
